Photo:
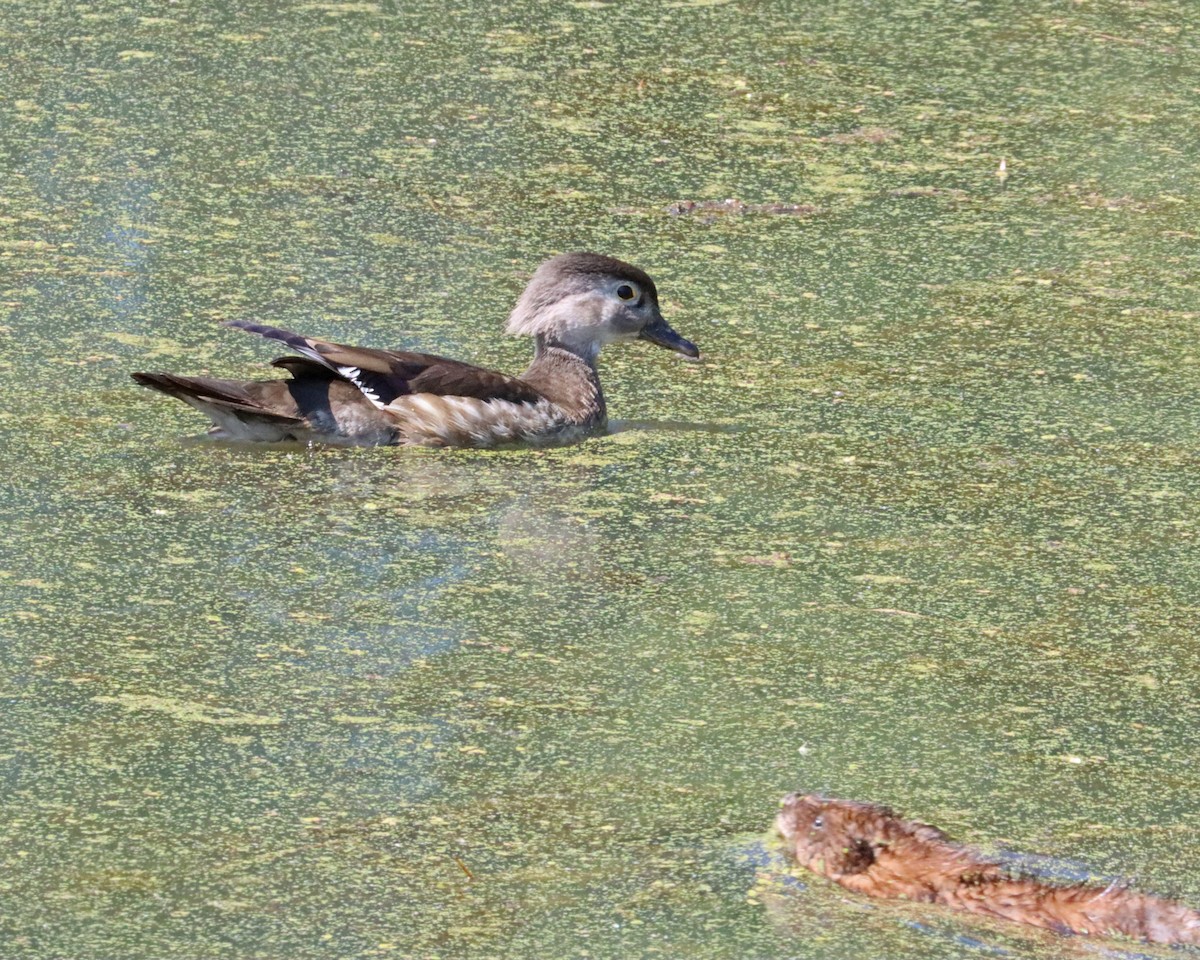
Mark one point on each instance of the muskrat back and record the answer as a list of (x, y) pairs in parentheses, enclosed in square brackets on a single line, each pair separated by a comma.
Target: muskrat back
[(869, 849)]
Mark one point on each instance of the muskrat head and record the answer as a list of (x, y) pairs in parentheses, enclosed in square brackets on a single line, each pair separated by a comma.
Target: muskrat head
[(830, 837)]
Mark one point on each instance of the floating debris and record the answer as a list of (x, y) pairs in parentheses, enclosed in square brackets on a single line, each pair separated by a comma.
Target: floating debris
[(910, 192), (862, 135), (731, 206)]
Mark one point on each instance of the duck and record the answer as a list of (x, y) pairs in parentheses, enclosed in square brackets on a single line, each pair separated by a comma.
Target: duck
[(574, 304)]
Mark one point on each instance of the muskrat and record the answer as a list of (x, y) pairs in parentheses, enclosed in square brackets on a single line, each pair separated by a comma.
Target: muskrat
[(868, 849)]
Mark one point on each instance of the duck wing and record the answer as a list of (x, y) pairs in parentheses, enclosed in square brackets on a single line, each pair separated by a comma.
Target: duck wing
[(258, 400), (384, 375)]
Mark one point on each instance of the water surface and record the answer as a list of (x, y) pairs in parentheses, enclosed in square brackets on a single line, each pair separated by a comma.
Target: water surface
[(921, 529)]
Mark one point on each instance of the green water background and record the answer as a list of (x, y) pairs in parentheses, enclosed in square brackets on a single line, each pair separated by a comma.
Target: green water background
[(921, 529)]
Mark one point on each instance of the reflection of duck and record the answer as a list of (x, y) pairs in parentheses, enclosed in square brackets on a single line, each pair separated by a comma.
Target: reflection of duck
[(868, 849), (356, 396)]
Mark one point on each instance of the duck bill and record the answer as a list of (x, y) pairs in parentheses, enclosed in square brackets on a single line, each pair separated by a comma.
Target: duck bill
[(660, 332)]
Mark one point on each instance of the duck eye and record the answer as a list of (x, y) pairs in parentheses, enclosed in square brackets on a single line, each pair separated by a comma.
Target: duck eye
[(818, 823), (626, 292)]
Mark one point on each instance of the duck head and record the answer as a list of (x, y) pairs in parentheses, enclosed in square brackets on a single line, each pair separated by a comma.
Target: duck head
[(581, 301)]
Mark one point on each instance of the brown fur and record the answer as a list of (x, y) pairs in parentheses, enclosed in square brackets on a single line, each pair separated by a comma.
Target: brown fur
[(868, 849)]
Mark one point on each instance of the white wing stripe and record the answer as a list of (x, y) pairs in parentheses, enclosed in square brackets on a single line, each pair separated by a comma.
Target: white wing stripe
[(354, 375)]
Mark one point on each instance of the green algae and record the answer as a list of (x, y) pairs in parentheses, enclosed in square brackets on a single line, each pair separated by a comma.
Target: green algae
[(188, 712), (920, 529)]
